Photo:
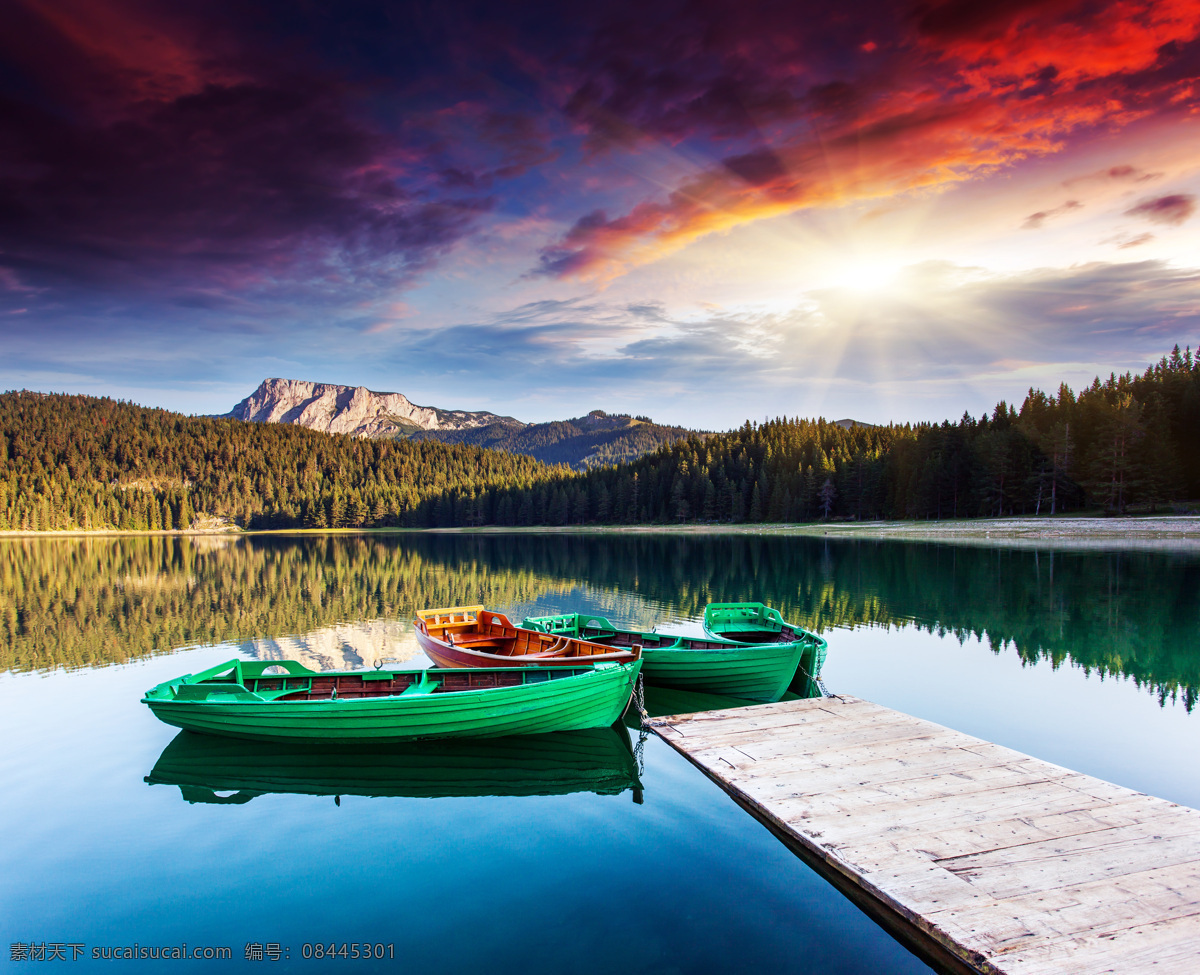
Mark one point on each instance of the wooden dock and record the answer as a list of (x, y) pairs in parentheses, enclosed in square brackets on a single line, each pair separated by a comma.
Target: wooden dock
[(980, 858)]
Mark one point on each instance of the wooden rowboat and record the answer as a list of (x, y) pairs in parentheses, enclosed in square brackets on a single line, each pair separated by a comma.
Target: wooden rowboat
[(755, 673), (238, 699), (754, 623), (471, 636), (761, 667)]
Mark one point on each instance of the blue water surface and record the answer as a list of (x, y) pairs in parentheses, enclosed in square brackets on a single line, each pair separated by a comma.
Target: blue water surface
[(682, 881)]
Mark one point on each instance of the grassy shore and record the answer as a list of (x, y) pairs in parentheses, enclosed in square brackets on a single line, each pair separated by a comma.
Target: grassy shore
[(1150, 531), (1146, 531)]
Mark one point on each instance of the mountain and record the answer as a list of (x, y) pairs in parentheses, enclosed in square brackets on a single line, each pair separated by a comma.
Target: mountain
[(588, 441), (354, 410)]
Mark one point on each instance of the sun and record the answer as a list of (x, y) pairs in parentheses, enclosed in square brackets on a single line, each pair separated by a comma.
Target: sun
[(866, 275)]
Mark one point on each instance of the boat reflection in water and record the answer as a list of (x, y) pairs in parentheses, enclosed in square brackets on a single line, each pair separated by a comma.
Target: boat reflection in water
[(225, 770), (661, 701)]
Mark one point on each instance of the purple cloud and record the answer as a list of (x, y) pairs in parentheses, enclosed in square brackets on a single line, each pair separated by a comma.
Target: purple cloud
[(1171, 210), (229, 185)]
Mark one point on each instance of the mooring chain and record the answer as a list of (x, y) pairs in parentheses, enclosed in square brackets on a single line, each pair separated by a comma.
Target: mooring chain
[(639, 752), (816, 680), (639, 701)]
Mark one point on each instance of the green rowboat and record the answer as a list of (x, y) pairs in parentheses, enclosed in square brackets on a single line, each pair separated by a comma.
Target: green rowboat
[(238, 699), (762, 671), (754, 623), (227, 771)]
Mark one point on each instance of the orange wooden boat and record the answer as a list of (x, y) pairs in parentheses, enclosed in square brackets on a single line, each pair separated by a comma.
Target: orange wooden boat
[(471, 636)]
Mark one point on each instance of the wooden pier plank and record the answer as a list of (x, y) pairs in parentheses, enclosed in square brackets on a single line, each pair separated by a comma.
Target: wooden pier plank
[(987, 858)]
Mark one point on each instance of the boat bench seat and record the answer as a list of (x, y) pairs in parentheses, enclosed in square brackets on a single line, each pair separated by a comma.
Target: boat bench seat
[(205, 689), (421, 687), (284, 692)]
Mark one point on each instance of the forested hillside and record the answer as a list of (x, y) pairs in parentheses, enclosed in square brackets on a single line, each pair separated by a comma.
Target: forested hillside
[(83, 462), (1131, 440), (581, 443)]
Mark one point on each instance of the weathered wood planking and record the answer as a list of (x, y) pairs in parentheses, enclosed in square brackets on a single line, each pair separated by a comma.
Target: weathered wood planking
[(984, 859)]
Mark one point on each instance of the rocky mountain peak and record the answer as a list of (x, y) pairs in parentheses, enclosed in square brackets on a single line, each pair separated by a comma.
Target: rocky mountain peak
[(355, 410)]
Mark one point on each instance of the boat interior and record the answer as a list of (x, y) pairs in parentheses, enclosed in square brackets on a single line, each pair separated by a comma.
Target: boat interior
[(297, 683), (598, 629), (655, 641), (332, 687), (786, 635), (748, 623), (475, 628)]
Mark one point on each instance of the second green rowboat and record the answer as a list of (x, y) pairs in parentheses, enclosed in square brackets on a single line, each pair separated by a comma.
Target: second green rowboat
[(712, 664), (755, 623)]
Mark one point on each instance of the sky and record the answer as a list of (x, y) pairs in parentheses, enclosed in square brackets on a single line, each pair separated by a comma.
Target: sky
[(699, 211)]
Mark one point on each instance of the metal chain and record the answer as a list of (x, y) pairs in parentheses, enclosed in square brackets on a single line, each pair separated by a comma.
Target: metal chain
[(639, 701), (816, 680)]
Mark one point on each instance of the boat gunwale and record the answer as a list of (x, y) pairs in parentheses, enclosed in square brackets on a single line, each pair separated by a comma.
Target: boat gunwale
[(558, 674), (804, 636)]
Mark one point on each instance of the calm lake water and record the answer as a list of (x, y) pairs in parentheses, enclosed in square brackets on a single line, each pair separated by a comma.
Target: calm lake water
[(572, 854)]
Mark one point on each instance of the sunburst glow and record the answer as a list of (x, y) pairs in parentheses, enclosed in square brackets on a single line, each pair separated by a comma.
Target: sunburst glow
[(868, 275)]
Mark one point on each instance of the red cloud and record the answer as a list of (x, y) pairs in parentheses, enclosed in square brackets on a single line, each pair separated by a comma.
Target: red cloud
[(1006, 45), (107, 56), (971, 88)]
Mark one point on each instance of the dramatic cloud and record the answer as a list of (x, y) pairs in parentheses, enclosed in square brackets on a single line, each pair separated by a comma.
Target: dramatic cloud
[(149, 161), (232, 184), (213, 192), (1171, 210), (959, 93)]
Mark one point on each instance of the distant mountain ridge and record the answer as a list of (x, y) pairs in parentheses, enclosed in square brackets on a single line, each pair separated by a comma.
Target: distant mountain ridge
[(586, 441), (582, 442)]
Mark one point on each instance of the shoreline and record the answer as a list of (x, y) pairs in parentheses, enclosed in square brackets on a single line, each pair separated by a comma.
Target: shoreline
[(1181, 532)]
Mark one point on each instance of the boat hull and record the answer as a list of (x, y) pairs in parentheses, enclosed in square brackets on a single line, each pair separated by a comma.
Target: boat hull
[(812, 660), (711, 664), (758, 673), (591, 698)]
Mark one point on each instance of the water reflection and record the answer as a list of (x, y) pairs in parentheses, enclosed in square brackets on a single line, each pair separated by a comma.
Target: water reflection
[(88, 602), (220, 770), (662, 701), (344, 646)]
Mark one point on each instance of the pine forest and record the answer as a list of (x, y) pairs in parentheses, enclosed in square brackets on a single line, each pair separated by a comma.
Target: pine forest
[(1131, 442)]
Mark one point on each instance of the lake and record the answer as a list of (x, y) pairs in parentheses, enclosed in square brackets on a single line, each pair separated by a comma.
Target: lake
[(589, 853)]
